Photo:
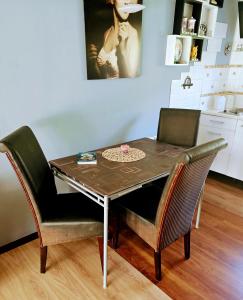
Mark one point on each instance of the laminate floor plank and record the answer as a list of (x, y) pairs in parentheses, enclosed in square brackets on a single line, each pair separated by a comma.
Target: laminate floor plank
[(215, 269), (73, 272)]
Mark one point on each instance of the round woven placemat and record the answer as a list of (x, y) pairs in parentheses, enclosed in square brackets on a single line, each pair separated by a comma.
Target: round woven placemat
[(115, 154)]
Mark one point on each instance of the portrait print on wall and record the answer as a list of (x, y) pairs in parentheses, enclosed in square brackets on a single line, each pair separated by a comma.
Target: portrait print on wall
[(113, 38)]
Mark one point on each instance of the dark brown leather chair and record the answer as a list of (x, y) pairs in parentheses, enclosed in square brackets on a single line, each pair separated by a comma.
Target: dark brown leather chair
[(58, 218), (178, 126), (160, 219)]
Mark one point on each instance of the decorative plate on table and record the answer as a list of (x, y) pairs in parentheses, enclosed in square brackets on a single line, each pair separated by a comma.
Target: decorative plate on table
[(178, 51), (116, 154)]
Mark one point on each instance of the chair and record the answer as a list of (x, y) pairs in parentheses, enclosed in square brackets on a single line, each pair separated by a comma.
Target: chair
[(160, 219), (58, 218), (178, 126)]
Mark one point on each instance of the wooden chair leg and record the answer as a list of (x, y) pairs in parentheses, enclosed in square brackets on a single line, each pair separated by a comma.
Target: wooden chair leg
[(157, 264), (43, 256), (187, 244), (116, 231), (101, 250)]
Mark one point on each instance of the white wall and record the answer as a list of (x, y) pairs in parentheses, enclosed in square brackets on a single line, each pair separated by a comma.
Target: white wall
[(43, 84), (227, 15), (235, 82)]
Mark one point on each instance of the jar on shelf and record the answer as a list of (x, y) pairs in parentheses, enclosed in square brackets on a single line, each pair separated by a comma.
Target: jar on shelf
[(184, 25), (191, 24)]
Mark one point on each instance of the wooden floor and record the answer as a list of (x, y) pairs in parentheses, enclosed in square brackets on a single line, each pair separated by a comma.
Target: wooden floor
[(226, 193), (215, 269), (74, 272)]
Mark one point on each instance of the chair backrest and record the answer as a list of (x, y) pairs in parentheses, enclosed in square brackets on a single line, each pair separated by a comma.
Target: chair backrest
[(178, 126), (182, 191), (31, 167)]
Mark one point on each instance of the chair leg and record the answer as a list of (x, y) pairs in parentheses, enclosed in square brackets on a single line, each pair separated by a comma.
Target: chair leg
[(116, 231), (157, 265), (101, 250), (187, 244), (43, 256)]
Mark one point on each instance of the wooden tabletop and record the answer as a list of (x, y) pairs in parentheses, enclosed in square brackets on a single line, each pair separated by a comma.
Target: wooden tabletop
[(108, 178)]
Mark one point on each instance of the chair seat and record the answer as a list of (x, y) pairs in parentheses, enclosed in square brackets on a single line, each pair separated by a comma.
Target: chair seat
[(72, 207), (139, 210), (70, 217), (143, 202)]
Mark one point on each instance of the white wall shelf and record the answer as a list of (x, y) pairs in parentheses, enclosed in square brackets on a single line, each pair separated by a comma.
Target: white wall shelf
[(205, 17), (175, 44), (208, 19), (202, 11)]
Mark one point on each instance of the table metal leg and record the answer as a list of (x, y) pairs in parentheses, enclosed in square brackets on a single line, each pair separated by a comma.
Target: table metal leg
[(105, 241)]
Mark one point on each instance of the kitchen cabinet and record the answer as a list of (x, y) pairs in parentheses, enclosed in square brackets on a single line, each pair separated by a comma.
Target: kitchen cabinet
[(235, 169), (212, 127), (220, 122)]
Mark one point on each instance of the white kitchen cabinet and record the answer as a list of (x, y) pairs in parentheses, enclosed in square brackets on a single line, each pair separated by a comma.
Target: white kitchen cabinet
[(214, 127), (236, 158), (207, 134), (218, 122)]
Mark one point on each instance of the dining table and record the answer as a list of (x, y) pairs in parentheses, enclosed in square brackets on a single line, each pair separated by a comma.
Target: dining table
[(108, 180)]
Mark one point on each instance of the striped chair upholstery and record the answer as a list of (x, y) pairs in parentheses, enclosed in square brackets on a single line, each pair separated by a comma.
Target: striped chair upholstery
[(175, 220), (161, 219)]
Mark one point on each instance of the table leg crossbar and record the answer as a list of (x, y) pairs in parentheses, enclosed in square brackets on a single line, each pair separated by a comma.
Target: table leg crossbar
[(93, 196)]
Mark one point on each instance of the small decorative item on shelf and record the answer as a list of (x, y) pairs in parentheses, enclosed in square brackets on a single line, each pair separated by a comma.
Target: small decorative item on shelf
[(203, 30), (191, 25), (227, 49), (124, 148), (214, 2), (194, 53), (178, 51), (184, 25), (187, 83)]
